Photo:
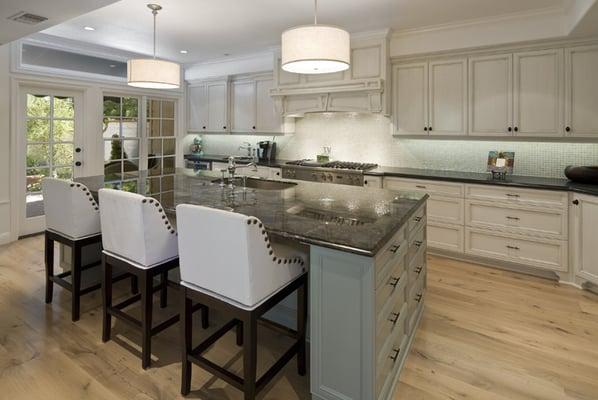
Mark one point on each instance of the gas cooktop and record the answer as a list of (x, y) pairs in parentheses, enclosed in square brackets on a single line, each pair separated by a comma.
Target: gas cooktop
[(342, 172), (334, 164)]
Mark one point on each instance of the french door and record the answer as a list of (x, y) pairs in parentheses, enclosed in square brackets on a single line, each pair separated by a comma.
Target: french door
[(50, 145)]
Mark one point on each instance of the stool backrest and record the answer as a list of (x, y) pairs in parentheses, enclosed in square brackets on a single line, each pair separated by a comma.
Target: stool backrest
[(228, 254), (70, 208), (136, 228)]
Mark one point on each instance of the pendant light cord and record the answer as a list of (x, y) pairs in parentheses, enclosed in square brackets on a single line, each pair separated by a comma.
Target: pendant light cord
[(155, 12), (315, 12)]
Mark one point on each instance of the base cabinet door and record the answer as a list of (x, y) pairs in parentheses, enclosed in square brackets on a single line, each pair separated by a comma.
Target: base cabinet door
[(584, 214)]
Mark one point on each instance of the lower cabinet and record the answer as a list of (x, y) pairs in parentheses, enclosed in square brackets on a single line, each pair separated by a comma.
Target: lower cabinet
[(583, 244), (445, 236)]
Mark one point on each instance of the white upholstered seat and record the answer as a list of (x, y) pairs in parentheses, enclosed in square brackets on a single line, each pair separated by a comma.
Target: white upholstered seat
[(229, 255), (70, 208), (136, 229)]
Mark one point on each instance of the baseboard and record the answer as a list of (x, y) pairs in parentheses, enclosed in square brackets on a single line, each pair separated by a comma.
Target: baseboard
[(5, 238)]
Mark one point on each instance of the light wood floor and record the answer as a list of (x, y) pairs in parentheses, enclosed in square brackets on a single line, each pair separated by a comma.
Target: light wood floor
[(486, 334)]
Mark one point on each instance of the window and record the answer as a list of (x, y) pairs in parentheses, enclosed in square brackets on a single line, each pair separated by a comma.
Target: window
[(161, 144), (120, 130), (50, 127)]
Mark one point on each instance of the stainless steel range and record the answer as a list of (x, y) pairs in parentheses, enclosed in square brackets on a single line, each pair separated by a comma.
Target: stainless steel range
[(341, 172)]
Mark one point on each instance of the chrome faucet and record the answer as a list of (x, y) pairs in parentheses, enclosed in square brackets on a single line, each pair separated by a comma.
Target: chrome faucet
[(232, 169)]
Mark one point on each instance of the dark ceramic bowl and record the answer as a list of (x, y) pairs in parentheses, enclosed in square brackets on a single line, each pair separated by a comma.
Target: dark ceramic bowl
[(582, 174)]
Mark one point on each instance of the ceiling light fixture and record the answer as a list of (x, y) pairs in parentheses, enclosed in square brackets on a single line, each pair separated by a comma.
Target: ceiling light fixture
[(89, 28), (316, 49), (153, 73), (184, 52)]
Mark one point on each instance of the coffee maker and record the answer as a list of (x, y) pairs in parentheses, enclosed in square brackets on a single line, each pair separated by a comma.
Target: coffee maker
[(266, 150)]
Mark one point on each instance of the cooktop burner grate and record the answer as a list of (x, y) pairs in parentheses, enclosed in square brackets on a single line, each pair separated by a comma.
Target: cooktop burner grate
[(335, 164)]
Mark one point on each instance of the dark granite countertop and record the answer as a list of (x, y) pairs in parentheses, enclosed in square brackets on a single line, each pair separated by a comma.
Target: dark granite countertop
[(530, 182), (224, 158), (340, 217)]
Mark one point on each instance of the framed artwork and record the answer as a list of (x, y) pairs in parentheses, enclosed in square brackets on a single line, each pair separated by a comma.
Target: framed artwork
[(501, 162)]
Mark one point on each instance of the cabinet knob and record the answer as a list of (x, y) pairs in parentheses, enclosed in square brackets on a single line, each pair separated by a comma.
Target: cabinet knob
[(78, 163), (425, 128), (509, 129), (204, 127), (575, 202), (78, 150), (430, 129), (516, 129), (224, 127), (568, 129), (253, 127)]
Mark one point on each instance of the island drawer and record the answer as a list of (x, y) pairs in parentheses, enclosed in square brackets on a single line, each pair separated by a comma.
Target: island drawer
[(416, 270), (395, 284), (417, 220), (533, 197), (431, 187), (548, 254), (414, 300), (526, 220), (388, 359), (393, 321), (416, 241), (392, 253)]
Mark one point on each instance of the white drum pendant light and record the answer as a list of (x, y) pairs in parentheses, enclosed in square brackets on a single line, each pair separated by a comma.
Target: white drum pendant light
[(315, 49), (152, 73)]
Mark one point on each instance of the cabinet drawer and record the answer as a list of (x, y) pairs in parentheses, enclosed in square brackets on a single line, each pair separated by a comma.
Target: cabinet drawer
[(374, 182), (532, 197), (389, 356), (417, 240), (445, 237), (416, 271), (542, 253), (396, 282), (415, 300), (445, 209), (389, 256), (532, 221), (431, 187), (417, 220), (392, 322)]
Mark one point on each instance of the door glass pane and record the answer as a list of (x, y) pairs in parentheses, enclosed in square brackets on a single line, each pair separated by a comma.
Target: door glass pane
[(152, 185), (111, 106), (38, 155), (34, 178), (130, 148), (63, 173), (62, 154), (64, 107), (154, 166), (168, 109), (129, 127), (169, 147), (153, 109), (112, 150), (38, 130), (110, 128), (131, 168), (153, 127), (64, 131), (168, 165), (129, 186), (38, 105), (167, 127), (130, 107), (155, 147)]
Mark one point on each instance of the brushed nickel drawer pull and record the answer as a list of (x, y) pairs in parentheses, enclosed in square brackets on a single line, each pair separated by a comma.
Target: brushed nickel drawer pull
[(394, 248), (513, 247), (418, 298), (419, 270), (420, 186), (394, 281), (513, 218), (418, 243), (512, 195), (395, 354), (394, 317)]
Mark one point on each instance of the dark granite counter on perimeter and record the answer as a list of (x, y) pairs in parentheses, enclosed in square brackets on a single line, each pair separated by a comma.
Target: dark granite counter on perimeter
[(530, 182), (224, 158), (340, 217)]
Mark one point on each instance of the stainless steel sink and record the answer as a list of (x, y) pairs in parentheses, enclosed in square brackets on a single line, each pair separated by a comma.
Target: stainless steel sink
[(262, 184)]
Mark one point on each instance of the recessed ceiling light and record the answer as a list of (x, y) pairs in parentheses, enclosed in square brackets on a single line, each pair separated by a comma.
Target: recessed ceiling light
[(112, 65), (184, 52), (89, 28)]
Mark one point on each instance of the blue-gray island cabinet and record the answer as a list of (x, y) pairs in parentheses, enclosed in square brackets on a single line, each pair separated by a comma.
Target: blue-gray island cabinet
[(367, 270)]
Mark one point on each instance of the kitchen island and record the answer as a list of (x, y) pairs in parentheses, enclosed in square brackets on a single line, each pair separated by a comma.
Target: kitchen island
[(367, 269)]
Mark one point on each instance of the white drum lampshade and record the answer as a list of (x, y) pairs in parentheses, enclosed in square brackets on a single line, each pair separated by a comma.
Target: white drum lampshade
[(316, 49), (153, 74)]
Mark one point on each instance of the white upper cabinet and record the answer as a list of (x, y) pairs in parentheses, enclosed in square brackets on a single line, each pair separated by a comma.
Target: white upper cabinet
[(447, 97), (268, 119), (243, 106), (411, 99), (538, 93), (217, 94), (581, 100), (197, 111), (490, 95)]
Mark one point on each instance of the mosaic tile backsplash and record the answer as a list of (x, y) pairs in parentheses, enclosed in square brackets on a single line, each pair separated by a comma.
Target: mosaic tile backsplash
[(367, 138)]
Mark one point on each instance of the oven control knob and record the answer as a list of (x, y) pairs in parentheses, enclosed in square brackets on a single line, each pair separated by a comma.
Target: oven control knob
[(323, 177), (330, 177)]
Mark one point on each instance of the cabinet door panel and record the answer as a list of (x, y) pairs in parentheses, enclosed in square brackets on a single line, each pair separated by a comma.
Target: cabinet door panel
[(490, 95), (448, 97), (217, 107), (582, 91), (537, 104), (197, 108), (411, 95), (268, 119), (243, 106), (583, 241)]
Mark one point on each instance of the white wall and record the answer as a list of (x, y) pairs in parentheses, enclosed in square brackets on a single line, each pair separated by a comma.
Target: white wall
[(4, 144), (367, 138)]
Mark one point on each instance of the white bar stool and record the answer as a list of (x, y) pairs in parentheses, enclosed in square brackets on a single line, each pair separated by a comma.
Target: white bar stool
[(138, 238), (239, 273), (72, 219)]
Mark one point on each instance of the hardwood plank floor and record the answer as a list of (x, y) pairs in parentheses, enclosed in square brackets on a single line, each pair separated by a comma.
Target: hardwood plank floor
[(485, 334)]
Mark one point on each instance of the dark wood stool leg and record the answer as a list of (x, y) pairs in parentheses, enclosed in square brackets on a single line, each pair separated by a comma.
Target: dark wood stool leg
[(239, 333), (49, 258), (249, 355), (301, 328), (76, 281), (106, 299), (147, 285), (205, 317), (164, 289), (186, 336), (134, 284)]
